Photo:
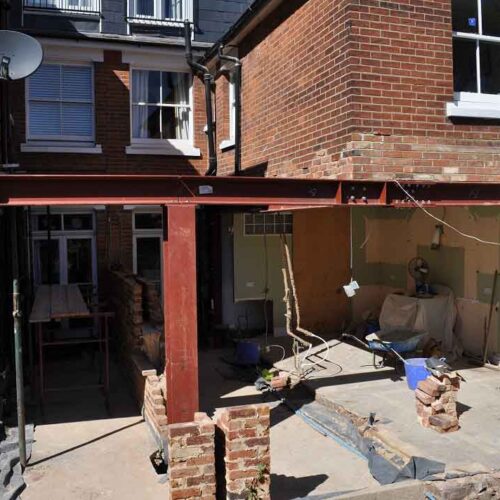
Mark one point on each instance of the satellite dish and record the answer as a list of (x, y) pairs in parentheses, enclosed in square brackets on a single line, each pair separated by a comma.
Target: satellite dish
[(20, 55)]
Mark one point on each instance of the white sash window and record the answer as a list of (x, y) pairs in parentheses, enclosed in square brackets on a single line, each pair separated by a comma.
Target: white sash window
[(161, 106), (476, 59), (60, 103)]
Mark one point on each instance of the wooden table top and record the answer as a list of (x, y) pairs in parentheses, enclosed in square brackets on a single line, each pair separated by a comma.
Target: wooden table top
[(58, 302)]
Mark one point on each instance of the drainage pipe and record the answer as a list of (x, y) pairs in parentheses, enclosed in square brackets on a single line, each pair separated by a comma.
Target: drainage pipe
[(237, 106), (203, 72)]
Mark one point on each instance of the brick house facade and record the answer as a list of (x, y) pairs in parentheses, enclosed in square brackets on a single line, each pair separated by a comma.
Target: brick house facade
[(110, 40), (356, 89)]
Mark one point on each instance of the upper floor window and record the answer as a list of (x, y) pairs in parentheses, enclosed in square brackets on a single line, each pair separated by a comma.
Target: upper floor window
[(174, 10), (60, 104), (78, 6), (161, 105), (476, 46)]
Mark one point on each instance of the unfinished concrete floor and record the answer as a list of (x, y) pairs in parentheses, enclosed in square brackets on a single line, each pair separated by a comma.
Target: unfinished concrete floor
[(304, 463), (349, 380), (83, 453)]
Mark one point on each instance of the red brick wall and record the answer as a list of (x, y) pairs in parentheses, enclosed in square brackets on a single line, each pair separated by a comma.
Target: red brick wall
[(357, 89), (244, 441), (226, 159), (191, 459), (112, 120), (295, 89)]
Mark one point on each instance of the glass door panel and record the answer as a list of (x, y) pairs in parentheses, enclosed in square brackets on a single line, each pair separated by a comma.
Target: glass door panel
[(79, 264), (47, 262), (149, 258)]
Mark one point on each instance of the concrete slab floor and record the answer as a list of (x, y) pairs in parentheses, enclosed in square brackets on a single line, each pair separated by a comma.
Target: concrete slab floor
[(304, 463), (83, 453), (350, 380)]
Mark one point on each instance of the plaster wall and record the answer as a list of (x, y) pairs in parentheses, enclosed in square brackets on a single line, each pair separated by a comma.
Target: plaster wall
[(385, 239), (257, 265)]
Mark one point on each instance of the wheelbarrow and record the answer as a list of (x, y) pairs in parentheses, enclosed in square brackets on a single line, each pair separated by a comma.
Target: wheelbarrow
[(386, 344)]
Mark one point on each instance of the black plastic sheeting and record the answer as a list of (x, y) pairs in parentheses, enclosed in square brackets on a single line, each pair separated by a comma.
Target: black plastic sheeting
[(340, 428)]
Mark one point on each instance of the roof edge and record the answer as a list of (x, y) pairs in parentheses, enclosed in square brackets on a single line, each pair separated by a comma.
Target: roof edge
[(254, 14)]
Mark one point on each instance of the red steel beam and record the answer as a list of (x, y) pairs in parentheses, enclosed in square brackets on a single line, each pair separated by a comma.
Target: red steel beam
[(70, 189), (22, 190), (180, 312)]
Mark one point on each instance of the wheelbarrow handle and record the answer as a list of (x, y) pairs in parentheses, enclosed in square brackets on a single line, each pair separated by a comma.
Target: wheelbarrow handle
[(352, 337), (396, 353)]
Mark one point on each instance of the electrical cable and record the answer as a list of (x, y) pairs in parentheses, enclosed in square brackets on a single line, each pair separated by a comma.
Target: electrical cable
[(280, 347), (325, 358), (441, 221)]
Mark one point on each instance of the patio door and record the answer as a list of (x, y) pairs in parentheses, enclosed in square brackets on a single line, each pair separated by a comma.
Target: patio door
[(70, 255), (147, 241)]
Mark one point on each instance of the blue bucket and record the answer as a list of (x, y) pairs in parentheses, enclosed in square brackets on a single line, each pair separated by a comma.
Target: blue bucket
[(247, 353), (416, 371)]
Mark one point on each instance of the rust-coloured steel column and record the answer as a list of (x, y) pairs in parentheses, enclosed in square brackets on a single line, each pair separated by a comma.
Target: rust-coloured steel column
[(180, 312)]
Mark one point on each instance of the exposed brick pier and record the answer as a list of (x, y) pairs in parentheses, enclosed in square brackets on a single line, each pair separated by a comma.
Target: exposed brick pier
[(243, 449), (191, 459)]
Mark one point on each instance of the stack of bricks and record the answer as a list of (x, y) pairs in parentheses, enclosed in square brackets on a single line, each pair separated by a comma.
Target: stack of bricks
[(436, 399), (124, 294), (155, 411), (153, 310), (243, 446), (191, 459)]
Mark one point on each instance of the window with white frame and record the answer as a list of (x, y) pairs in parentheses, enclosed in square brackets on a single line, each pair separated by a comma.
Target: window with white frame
[(161, 105), (177, 10), (69, 255), (60, 103), (80, 6), (147, 228), (268, 223), (476, 48)]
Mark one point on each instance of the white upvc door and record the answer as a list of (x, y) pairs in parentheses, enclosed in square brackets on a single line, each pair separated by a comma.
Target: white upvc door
[(73, 261)]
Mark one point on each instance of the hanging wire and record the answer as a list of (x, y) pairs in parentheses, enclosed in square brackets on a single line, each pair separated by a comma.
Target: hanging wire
[(442, 221)]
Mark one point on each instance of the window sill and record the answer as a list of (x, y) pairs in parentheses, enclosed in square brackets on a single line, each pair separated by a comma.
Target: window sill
[(57, 148), (465, 109), (227, 144), (151, 21), (174, 149), (50, 11)]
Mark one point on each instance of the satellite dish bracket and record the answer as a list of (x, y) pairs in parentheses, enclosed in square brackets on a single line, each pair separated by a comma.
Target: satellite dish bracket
[(4, 68)]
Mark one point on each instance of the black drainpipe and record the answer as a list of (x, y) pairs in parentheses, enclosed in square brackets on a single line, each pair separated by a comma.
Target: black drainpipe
[(199, 70), (237, 105)]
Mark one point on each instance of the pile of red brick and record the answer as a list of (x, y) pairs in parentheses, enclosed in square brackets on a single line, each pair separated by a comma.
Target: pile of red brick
[(436, 399)]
